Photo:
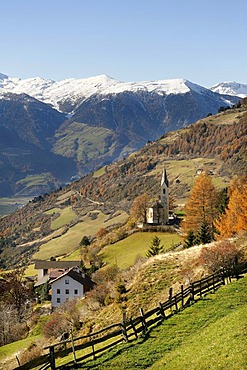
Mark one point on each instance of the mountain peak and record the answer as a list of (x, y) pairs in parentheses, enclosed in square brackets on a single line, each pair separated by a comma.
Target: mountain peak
[(231, 88)]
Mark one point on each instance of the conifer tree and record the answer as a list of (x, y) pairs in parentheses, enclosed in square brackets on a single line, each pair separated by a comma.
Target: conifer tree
[(190, 240), (155, 247), (204, 235)]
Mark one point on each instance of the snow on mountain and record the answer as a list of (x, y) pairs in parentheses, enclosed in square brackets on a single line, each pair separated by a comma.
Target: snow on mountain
[(55, 93), (67, 94), (231, 88)]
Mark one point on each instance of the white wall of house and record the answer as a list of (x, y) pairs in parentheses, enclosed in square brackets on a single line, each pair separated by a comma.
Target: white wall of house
[(150, 216), (65, 288), (42, 272)]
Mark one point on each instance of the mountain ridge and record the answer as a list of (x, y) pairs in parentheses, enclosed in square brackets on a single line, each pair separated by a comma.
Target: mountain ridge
[(79, 89), (92, 122)]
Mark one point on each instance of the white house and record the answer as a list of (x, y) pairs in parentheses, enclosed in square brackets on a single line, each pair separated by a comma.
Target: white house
[(49, 270), (70, 285)]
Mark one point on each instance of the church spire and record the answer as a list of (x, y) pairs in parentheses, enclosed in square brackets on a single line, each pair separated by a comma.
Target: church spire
[(164, 179)]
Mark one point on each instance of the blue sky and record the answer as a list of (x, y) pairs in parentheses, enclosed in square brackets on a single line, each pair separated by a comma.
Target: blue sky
[(129, 40)]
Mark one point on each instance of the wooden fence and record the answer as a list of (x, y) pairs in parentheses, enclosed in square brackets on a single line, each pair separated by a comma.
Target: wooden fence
[(89, 346)]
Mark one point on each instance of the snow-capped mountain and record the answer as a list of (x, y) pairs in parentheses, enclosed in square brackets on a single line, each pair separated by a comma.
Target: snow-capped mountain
[(68, 94), (231, 88), (86, 123)]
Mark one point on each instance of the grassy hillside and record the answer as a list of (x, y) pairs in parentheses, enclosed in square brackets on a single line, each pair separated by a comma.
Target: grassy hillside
[(126, 251), (211, 334), (84, 142), (216, 144), (68, 242)]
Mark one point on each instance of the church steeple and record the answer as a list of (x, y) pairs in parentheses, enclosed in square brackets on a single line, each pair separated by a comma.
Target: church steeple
[(164, 179), (164, 196)]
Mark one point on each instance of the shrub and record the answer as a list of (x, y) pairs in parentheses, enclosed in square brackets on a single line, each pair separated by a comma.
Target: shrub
[(85, 241), (56, 326), (221, 255)]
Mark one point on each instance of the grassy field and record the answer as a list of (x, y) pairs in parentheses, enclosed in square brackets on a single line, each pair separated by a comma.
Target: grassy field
[(124, 253), (68, 242), (210, 334), (66, 215), (99, 172), (32, 180)]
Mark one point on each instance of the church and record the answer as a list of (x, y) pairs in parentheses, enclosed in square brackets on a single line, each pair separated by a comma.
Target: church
[(158, 212)]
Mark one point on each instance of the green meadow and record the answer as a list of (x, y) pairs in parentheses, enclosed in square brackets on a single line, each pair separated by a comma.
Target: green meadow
[(126, 251), (210, 334), (66, 215)]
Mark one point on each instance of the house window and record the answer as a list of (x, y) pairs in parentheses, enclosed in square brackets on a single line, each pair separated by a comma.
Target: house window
[(45, 272), (66, 291), (58, 291), (164, 191), (66, 281), (76, 291), (58, 300)]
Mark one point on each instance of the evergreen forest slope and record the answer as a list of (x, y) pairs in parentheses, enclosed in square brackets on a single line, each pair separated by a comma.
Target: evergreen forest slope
[(217, 144)]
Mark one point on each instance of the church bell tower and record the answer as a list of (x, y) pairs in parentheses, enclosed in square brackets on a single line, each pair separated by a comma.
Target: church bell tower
[(164, 196)]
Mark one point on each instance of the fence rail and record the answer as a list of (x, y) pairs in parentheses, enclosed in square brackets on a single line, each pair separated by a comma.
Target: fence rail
[(127, 329)]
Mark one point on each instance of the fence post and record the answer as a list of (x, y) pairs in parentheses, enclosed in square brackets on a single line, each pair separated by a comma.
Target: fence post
[(162, 312), (52, 358), (144, 324), (182, 295), (92, 343), (133, 327), (72, 344), (123, 325)]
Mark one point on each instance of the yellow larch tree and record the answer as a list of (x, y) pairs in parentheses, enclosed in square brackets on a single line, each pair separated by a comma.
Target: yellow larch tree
[(234, 220), (201, 205)]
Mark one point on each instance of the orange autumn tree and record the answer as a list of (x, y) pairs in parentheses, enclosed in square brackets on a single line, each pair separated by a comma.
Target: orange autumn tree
[(234, 220), (138, 211), (201, 207)]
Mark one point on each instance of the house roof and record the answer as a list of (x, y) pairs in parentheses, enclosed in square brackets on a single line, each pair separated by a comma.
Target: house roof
[(79, 277), (42, 281), (40, 264)]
